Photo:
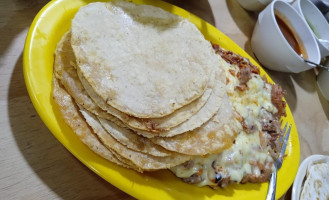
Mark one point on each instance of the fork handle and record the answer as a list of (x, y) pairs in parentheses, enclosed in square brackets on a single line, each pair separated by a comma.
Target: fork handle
[(272, 186)]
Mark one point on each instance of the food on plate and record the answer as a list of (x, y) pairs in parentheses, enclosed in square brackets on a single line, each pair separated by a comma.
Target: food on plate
[(143, 161), (316, 185), (73, 118), (142, 88), (214, 136), (256, 105), (136, 160), (161, 74), (205, 113)]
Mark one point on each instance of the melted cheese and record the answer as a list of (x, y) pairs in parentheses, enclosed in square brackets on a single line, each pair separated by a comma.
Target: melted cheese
[(249, 103), (235, 162), (247, 153)]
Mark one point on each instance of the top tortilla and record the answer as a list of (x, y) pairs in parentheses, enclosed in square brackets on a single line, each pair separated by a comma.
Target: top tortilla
[(65, 70), (142, 60)]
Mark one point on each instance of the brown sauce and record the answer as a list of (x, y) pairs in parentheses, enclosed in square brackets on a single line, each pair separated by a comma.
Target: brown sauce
[(290, 36)]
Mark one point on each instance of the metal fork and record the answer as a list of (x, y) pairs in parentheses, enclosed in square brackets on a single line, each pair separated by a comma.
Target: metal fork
[(278, 163)]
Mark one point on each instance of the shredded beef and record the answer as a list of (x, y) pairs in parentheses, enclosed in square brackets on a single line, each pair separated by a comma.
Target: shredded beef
[(242, 87), (232, 72), (227, 81), (245, 66), (276, 98), (263, 177), (271, 126), (244, 75), (248, 128), (195, 178), (236, 59), (224, 182), (188, 164)]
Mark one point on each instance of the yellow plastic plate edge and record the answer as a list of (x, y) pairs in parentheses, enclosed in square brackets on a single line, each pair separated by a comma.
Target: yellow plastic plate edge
[(46, 30)]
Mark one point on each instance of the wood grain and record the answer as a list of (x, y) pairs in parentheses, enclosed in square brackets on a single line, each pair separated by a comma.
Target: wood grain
[(34, 165)]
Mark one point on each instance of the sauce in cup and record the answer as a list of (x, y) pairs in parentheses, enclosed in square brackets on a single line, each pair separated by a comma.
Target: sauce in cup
[(290, 36)]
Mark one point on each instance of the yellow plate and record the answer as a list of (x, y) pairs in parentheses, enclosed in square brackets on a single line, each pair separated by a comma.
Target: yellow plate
[(46, 31)]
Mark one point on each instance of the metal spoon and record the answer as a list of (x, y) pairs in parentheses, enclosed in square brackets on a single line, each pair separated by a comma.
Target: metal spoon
[(318, 65)]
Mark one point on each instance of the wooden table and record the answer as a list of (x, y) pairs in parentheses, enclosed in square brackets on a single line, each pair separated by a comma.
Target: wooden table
[(34, 165)]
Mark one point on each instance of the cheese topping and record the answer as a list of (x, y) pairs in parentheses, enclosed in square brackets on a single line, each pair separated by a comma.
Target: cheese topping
[(242, 159), (249, 103), (247, 157)]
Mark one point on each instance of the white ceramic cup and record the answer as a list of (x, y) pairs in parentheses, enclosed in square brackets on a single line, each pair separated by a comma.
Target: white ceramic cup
[(273, 50), (327, 16), (323, 81), (256, 5), (318, 24)]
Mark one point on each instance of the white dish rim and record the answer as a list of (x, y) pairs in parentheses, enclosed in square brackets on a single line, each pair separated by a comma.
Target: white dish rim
[(297, 186)]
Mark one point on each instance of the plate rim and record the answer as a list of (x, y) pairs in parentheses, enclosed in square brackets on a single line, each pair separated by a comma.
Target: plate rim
[(38, 105)]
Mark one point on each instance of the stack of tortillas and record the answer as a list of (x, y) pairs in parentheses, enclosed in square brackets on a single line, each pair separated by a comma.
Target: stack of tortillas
[(142, 87)]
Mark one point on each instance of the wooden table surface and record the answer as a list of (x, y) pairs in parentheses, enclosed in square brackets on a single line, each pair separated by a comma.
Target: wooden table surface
[(34, 165)]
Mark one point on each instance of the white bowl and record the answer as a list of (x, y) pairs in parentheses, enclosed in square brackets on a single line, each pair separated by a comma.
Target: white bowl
[(317, 23), (297, 186), (273, 50)]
